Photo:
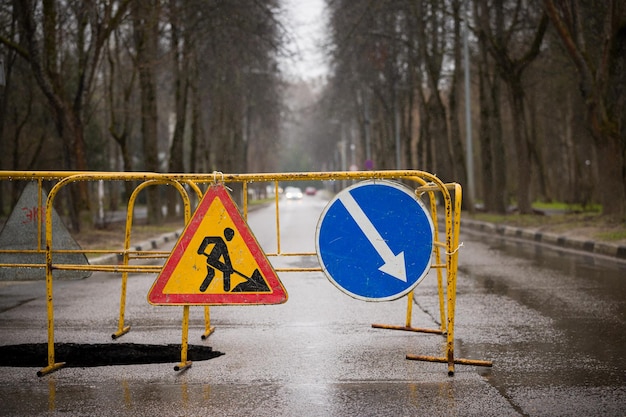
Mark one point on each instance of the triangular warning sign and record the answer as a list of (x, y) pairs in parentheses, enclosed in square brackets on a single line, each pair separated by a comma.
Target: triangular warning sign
[(217, 260), (25, 230)]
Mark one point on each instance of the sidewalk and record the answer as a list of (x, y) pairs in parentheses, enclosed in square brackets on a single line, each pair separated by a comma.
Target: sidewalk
[(151, 243), (565, 241), (145, 245), (558, 240)]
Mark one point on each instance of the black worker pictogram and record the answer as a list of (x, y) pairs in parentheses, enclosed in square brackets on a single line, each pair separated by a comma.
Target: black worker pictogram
[(219, 259), (213, 262)]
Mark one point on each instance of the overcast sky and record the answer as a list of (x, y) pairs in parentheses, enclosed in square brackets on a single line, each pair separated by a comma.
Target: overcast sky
[(305, 19)]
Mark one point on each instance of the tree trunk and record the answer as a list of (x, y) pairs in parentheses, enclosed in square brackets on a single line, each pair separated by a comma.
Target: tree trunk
[(499, 173), (459, 164), (602, 74), (611, 170), (485, 139), (145, 22), (180, 58), (522, 149)]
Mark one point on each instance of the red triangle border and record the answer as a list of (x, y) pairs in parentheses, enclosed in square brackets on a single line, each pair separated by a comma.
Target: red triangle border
[(278, 294)]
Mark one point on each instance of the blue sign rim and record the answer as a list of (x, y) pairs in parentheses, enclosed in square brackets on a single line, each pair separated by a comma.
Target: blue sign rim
[(406, 190)]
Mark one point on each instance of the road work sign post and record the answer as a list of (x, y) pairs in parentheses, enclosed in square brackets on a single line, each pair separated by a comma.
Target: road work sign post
[(216, 261)]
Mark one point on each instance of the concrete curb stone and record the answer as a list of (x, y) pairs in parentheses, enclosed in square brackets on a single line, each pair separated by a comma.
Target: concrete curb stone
[(149, 244), (145, 245), (567, 242)]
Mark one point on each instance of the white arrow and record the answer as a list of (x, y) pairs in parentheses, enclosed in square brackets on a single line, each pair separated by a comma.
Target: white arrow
[(393, 264)]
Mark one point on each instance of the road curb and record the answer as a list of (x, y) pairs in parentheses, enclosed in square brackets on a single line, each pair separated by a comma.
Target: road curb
[(145, 245), (566, 242), (149, 244)]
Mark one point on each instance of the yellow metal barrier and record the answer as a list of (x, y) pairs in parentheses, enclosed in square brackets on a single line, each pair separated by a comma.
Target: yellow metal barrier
[(425, 183), (52, 365)]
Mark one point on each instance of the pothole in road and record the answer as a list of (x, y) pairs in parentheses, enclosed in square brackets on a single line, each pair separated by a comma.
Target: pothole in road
[(89, 355)]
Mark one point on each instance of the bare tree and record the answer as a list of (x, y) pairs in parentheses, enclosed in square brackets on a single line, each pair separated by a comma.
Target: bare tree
[(594, 35), (53, 52), (241, 43), (180, 51), (437, 45), (392, 75), (458, 153), (146, 15), (120, 77), (493, 156), (503, 25), (370, 77)]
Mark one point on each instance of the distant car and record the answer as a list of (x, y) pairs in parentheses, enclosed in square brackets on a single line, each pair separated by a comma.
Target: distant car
[(293, 193), (310, 190)]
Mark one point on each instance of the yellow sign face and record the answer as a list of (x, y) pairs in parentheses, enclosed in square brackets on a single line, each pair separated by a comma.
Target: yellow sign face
[(217, 260)]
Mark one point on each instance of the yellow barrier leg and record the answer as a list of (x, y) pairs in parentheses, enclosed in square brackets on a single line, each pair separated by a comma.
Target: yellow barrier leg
[(452, 231), (409, 308), (442, 312), (407, 327), (208, 330), (52, 365), (453, 223), (121, 329), (184, 363), (437, 253)]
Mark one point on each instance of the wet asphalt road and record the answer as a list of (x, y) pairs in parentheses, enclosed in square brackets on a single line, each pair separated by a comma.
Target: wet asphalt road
[(553, 323)]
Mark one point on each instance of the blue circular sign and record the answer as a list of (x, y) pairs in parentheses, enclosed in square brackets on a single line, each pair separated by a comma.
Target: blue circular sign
[(374, 240)]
